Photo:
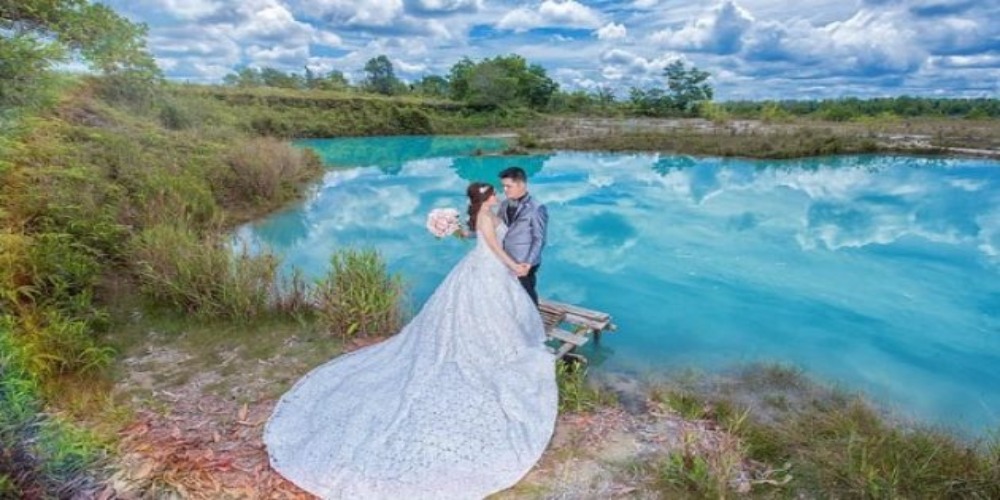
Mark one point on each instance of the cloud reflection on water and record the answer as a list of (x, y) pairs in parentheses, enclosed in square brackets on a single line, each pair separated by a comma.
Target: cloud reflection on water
[(870, 271)]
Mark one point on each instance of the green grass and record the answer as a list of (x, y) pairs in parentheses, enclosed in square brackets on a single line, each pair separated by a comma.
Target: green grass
[(576, 393), (836, 445), (359, 297)]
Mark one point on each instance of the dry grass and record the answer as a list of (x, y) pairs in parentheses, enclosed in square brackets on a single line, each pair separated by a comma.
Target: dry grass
[(787, 138), (269, 169)]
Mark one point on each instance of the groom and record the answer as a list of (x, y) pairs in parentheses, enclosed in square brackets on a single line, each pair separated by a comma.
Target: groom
[(526, 220)]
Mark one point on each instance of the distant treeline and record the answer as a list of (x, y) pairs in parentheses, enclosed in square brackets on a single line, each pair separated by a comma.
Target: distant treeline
[(512, 82)]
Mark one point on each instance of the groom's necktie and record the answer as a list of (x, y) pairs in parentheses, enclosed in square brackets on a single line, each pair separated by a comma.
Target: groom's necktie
[(511, 210)]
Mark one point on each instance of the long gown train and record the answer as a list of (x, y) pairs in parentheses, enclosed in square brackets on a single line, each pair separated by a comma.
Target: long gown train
[(460, 404)]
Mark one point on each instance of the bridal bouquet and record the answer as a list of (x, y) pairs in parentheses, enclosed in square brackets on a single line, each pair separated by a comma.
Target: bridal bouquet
[(442, 222)]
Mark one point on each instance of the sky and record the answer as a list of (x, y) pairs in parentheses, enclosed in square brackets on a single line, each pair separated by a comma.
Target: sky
[(754, 49)]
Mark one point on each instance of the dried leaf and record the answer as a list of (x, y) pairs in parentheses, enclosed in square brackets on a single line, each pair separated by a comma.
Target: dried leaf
[(144, 471)]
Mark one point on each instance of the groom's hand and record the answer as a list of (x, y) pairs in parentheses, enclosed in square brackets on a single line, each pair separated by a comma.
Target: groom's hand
[(523, 269)]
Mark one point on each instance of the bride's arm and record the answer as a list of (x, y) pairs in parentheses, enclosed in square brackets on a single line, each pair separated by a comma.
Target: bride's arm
[(486, 230)]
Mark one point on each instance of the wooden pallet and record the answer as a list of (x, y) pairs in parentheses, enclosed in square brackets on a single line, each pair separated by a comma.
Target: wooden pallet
[(585, 323)]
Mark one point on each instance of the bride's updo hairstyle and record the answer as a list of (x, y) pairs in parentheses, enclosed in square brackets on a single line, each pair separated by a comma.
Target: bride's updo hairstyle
[(478, 193)]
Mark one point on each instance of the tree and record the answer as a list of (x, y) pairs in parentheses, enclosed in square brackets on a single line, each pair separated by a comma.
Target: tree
[(458, 79), (687, 86), (272, 77), (334, 80), (431, 86), (605, 95), (244, 77), (381, 77), (536, 87), (518, 84), (35, 34), (490, 86)]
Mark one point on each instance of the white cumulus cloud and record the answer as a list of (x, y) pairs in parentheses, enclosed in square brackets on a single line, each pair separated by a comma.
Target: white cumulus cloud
[(612, 31), (558, 13), (353, 12), (720, 31)]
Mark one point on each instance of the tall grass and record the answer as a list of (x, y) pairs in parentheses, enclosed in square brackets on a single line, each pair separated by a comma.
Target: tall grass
[(40, 456), (203, 276), (268, 169), (834, 445), (576, 394), (358, 297)]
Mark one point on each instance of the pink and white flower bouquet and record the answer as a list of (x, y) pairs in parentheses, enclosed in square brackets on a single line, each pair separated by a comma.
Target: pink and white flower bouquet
[(443, 222)]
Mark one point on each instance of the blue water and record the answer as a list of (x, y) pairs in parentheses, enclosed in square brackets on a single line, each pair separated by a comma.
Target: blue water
[(879, 274)]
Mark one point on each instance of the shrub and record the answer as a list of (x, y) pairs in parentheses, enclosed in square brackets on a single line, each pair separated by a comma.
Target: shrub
[(772, 113), (204, 277), (575, 393), (49, 343), (174, 116), (40, 456), (713, 112), (266, 169), (359, 297), (413, 121)]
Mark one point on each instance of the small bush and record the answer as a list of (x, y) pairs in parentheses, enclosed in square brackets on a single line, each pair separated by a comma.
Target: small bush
[(266, 169), (575, 393), (713, 112), (772, 113), (413, 121), (174, 116), (359, 297)]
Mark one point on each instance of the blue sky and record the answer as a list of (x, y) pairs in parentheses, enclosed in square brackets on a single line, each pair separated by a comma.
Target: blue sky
[(755, 49)]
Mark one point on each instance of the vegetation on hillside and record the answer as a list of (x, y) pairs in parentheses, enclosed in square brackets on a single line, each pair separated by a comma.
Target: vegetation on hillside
[(510, 82)]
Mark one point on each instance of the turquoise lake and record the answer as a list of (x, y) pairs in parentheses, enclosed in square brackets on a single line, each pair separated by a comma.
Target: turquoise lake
[(876, 273)]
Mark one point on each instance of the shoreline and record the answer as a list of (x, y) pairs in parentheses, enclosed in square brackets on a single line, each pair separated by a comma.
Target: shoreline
[(757, 139)]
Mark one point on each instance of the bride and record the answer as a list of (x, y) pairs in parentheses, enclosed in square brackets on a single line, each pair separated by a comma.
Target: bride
[(460, 404)]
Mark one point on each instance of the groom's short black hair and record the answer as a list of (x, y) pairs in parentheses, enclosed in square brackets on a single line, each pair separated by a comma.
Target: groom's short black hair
[(515, 174)]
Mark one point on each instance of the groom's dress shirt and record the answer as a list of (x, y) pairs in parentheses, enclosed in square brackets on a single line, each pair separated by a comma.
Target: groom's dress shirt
[(512, 205)]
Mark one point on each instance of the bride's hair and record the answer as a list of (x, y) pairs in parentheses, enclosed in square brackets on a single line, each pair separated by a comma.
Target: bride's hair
[(478, 193)]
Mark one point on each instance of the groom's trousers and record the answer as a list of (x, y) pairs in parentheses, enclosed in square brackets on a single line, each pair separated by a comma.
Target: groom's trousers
[(528, 281)]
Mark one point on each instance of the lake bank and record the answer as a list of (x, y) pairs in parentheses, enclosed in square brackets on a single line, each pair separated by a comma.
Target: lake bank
[(791, 138), (200, 402)]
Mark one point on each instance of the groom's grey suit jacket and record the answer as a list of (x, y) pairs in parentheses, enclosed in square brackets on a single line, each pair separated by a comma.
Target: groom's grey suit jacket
[(525, 237)]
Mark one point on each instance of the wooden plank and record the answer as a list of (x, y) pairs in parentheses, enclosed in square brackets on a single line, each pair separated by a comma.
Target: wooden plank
[(589, 323), (594, 320), (567, 347), (568, 337), (551, 317), (576, 310)]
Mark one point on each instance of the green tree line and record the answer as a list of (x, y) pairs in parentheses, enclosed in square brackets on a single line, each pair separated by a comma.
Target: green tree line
[(510, 81)]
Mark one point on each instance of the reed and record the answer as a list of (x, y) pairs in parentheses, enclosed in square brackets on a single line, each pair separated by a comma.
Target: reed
[(576, 393), (359, 297), (204, 276)]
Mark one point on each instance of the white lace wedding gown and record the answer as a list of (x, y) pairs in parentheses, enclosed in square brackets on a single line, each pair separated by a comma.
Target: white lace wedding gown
[(460, 404)]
